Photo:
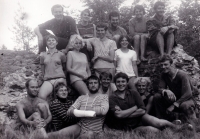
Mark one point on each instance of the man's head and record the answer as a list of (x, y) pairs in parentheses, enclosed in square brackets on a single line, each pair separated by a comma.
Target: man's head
[(166, 63), (121, 81), (57, 11), (93, 84), (101, 29), (105, 78), (114, 18), (85, 15), (32, 88), (159, 8), (142, 85), (61, 91), (139, 11)]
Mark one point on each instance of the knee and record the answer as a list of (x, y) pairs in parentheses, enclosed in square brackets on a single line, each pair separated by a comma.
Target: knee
[(136, 37), (143, 36)]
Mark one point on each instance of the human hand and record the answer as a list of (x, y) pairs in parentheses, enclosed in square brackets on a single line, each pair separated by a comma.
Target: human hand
[(94, 59), (40, 123), (170, 108), (117, 108), (169, 94), (173, 27)]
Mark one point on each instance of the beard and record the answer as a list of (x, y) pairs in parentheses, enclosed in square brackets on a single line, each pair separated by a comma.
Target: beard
[(93, 91)]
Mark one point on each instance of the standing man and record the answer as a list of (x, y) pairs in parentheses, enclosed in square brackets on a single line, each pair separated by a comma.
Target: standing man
[(62, 27), (104, 50), (162, 30), (114, 30), (175, 92), (32, 110)]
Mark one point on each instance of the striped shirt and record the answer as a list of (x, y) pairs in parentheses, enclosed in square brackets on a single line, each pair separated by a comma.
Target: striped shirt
[(99, 104), (59, 110)]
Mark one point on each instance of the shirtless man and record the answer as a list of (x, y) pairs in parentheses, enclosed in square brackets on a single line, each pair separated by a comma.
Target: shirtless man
[(33, 111)]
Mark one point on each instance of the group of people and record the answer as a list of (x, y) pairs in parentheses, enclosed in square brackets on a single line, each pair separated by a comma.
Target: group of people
[(100, 63)]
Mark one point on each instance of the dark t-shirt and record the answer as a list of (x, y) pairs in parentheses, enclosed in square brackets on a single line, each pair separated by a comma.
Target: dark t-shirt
[(131, 99), (61, 28)]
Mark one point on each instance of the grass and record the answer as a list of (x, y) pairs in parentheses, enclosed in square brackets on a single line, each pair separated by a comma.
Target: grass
[(6, 132)]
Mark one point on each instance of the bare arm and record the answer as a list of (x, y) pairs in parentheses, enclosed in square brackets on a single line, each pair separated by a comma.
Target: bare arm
[(138, 112), (135, 69), (88, 70), (49, 116), (125, 113)]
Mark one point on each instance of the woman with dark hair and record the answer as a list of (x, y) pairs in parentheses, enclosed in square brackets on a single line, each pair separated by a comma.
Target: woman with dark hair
[(59, 107), (138, 30), (53, 63), (125, 60)]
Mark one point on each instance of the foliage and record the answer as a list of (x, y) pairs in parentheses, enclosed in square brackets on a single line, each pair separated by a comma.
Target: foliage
[(23, 34), (3, 47), (101, 8), (189, 26)]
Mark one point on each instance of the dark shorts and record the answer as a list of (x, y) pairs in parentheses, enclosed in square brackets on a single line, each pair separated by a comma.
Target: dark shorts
[(152, 40)]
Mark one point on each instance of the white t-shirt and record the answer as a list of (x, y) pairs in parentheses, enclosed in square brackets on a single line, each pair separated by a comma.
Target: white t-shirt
[(124, 61)]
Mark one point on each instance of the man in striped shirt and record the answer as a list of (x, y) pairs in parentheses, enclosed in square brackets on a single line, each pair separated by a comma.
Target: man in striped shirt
[(94, 102)]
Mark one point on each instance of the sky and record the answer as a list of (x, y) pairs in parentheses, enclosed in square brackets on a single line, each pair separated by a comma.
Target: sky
[(38, 12)]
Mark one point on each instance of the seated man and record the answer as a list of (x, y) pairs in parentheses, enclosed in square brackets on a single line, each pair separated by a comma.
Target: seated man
[(114, 30), (106, 86), (127, 111), (175, 91), (142, 86), (92, 109), (33, 111), (162, 30), (62, 27)]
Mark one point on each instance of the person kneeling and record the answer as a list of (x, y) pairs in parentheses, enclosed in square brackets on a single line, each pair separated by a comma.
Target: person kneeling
[(127, 110)]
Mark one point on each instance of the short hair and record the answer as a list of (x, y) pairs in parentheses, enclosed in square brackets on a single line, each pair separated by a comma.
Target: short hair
[(158, 3), (102, 25), (121, 38), (51, 36), (121, 75), (166, 57), (56, 6), (142, 80), (93, 77), (28, 81), (73, 39), (139, 7), (113, 14), (58, 86), (86, 11), (106, 75)]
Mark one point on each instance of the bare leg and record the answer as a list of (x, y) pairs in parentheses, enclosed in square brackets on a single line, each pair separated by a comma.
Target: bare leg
[(68, 132), (45, 90), (81, 87), (160, 43), (155, 122), (137, 44), (149, 105), (131, 83), (143, 46), (170, 43)]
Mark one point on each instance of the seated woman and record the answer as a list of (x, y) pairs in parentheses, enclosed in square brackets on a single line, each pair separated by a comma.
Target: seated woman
[(125, 61), (138, 30), (77, 66), (142, 87), (53, 63), (59, 107)]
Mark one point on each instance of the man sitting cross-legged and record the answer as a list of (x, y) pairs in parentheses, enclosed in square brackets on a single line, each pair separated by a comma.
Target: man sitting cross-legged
[(127, 110), (33, 111), (175, 92), (106, 86), (92, 109)]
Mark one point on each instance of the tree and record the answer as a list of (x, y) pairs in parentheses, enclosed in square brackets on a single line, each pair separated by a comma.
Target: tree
[(101, 8), (3, 47), (23, 34)]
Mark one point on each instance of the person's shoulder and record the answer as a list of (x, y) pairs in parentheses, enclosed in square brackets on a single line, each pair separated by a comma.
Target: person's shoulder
[(69, 18), (132, 20), (118, 50), (182, 73)]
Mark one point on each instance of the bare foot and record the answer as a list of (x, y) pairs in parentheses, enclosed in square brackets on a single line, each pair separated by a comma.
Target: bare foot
[(143, 59)]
